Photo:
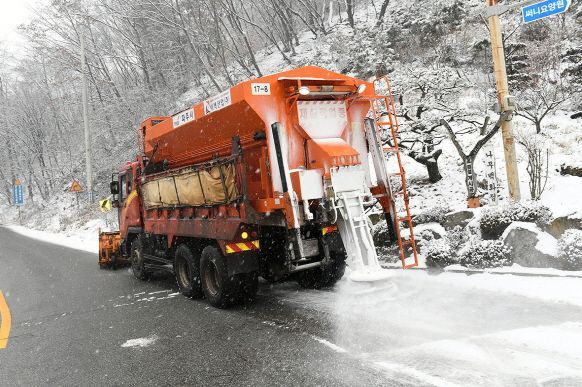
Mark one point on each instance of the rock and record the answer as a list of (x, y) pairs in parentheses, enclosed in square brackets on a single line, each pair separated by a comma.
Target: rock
[(561, 224), (457, 218), (427, 231), (377, 218), (530, 246)]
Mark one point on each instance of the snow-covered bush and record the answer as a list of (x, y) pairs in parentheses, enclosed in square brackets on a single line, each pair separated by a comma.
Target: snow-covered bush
[(495, 220), (434, 214), (570, 249), (485, 254), (439, 253), (457, 237)]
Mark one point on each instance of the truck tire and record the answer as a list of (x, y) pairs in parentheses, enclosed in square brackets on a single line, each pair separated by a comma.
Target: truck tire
[(137, 259), (220, 289), (187, 272), (325, 276)]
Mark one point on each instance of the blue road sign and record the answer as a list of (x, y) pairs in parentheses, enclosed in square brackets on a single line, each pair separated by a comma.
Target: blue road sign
[(544, 9), (17, 195)]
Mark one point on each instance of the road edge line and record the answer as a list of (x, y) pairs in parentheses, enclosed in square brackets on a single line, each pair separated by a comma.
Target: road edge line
[(5, 321)]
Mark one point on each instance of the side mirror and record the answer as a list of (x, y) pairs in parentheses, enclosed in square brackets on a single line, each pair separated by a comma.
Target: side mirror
[(114, 187)]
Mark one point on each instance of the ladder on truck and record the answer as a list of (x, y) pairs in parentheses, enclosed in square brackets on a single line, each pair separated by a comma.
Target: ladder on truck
[(382, 107)]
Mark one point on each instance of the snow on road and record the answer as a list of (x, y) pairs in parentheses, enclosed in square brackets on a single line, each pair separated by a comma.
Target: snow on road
[(140, 343), (454, 329)]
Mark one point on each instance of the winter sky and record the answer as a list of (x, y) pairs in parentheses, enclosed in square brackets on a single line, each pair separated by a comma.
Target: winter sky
[(12, 14)]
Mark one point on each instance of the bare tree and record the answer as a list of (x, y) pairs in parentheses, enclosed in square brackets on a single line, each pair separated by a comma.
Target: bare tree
[(350, 11), (469, 158), (535, 103), (382, 12), (538, 157)]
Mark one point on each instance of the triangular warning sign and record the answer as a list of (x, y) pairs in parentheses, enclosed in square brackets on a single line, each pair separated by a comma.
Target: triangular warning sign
[(76, 187)]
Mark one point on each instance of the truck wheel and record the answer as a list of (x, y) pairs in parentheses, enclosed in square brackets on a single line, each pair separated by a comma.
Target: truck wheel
[(218, 287), (137, 259), (187, 271), (323, 277)]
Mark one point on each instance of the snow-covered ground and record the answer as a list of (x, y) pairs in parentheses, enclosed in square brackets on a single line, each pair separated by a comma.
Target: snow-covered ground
[(81, 239), (457, 330)]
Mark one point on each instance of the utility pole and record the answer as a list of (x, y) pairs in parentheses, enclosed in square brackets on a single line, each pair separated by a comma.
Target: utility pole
[(89, 170), (502, 96)]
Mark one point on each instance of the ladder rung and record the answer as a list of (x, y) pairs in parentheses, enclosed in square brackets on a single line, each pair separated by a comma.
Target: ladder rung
[(391, 149)]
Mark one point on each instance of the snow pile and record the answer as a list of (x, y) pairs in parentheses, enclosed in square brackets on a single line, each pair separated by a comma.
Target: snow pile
[(142, 342)]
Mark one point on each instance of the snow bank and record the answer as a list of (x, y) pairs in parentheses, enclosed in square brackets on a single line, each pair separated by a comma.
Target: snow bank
[(85, 240)]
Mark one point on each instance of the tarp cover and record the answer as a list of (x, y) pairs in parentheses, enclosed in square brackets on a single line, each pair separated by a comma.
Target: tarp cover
[(189, 188)]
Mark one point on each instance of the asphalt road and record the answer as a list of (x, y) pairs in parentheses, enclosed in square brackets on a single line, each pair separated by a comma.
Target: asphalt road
[(70, 320), (72, 324)]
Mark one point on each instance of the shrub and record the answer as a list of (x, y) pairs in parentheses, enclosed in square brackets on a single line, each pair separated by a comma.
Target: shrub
[(433, 214), (439, 253), (495, 220), (457, 237), (485, 254), (570, 249)]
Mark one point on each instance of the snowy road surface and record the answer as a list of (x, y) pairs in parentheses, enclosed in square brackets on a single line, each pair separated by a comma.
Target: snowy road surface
[(73, 324)]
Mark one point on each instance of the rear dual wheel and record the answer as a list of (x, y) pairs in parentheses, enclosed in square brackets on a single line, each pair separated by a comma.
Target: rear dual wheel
[(220, 289), (187, 271), (324, 276)]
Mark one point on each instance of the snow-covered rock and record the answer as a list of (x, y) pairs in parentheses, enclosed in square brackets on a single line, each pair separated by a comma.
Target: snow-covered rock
[(457, 218), (531, 247), (562, 223)]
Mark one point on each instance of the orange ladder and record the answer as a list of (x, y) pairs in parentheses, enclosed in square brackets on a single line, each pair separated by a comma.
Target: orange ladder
[(382, 105)]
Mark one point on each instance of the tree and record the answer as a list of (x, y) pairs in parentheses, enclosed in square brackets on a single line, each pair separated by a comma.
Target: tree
[(350, 11), (426, 95), (537, 167), (382, 12), (537, 101), (469, 158)]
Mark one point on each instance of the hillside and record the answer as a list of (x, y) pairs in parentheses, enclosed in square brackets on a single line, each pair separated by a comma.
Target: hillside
[(436, 54)]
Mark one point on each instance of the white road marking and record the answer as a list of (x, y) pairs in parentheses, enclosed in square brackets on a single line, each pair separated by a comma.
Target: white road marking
[(331, 345)]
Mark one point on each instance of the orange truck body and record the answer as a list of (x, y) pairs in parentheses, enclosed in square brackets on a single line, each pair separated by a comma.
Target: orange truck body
[(285, 134)]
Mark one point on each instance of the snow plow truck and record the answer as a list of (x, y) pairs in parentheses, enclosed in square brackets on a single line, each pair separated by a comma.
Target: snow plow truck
[(274, 177)]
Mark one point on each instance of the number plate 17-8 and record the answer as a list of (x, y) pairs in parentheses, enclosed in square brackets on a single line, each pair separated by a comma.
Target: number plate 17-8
[(261, 88)]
